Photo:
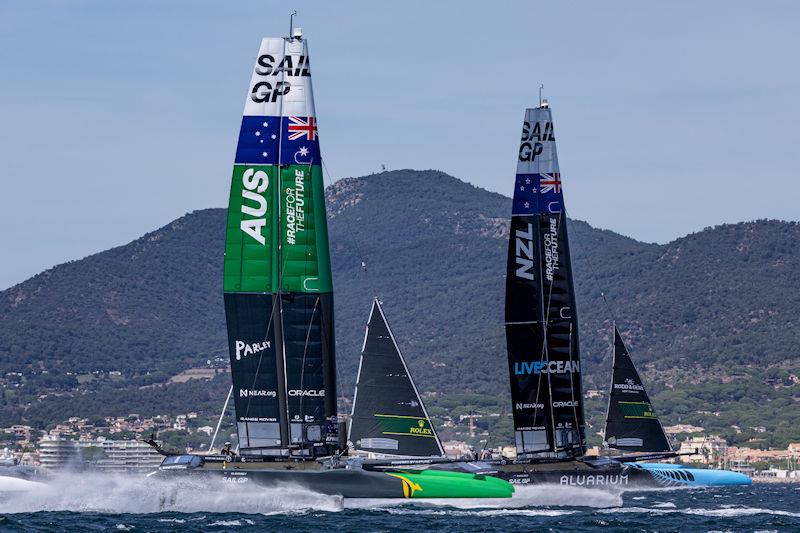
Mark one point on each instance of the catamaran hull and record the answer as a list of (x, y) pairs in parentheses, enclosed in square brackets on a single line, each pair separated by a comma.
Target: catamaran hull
[(630, 477), (358, 483)]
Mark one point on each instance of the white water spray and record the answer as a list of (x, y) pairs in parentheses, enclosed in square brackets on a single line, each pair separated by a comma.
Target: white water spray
[(109, 493)]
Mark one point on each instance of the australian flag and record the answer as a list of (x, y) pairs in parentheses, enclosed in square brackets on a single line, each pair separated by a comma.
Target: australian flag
[(258, 141), (300, 143), (525, 194)]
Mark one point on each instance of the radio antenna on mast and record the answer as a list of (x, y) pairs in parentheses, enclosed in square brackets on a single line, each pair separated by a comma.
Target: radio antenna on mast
[(291, 22)]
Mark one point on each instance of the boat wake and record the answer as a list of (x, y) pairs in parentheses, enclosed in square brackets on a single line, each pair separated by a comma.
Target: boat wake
[(109, 493), (524, 499)]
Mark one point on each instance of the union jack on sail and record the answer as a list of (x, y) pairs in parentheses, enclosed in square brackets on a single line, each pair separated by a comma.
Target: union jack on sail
[(299, 128)]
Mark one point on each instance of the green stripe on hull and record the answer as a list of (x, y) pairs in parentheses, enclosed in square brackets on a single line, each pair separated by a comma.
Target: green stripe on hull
[(441, 484)]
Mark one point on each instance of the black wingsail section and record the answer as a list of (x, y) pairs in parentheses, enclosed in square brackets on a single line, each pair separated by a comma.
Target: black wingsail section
[(388, 416), (631, 423), (541, 322)]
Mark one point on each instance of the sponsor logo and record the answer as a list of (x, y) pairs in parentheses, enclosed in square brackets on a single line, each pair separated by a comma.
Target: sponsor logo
[(532, 139), (571, 403), (315, 393), (523, 250), (420, 429), (551, 250), (519, 480), (269, 91), (594, 479), (253, 393), (546, 367), (291, 65), (255, 182), (519, 406), (628, 386), (243, 349), (409, 487), (295, 207)]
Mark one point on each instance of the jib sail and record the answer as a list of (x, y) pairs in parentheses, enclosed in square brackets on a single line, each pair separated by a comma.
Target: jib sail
[(277, 276), (631, 423), (388, 418), (541, 321)]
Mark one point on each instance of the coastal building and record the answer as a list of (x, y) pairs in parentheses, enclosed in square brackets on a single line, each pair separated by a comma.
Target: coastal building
[(58, 453), (709, 450)]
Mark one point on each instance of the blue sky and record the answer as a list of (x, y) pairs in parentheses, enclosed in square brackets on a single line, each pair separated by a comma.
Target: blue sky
[(117, 117)]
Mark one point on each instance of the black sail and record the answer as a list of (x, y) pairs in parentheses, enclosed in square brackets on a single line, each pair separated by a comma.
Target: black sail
[(631, 423), (388, 418), (540, 317)]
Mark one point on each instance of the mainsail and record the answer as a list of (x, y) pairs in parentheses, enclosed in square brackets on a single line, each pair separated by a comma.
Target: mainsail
[(631, 423), (277, 276), (388, 417), (541, 322)]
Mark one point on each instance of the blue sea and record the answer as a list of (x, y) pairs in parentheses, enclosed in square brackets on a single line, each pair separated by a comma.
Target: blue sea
[(116, 503)]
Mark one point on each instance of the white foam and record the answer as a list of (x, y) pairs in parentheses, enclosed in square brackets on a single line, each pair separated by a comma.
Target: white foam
[(725, 512), (664, 505), (537, 496), (137, 494)]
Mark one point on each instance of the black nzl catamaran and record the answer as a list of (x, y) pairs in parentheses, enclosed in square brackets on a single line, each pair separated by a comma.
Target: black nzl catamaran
[(279, 309), (544, 353)]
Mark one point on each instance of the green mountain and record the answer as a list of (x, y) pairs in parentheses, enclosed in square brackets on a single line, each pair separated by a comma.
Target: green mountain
[(712, 318)]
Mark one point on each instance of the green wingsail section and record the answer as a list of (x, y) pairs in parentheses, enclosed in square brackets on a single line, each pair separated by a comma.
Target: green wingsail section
[(255, 259), (305, 258)]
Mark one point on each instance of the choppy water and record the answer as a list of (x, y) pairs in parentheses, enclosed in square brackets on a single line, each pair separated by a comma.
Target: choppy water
[(118, 503)]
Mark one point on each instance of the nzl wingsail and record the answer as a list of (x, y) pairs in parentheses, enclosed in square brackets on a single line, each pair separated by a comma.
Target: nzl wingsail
[(540, 318), (388, 418), (277, 275), (631, 423)]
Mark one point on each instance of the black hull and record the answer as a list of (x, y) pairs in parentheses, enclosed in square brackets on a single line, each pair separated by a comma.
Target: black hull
[(616, 476), (337, 480)]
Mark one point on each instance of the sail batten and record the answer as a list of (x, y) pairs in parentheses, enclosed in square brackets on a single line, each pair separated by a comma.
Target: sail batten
[(277, 277), (540, 318)]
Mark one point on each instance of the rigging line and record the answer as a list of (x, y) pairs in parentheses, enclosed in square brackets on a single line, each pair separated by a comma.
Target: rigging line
[(303, 367), (326, 173), (221, 415), (351, 237)]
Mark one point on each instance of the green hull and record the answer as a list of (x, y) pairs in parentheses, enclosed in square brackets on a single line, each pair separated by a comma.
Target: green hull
[(440, 484)]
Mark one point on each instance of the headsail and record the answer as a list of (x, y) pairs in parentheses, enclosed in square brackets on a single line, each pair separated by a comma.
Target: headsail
[(541, 321), (388, 415), (277, 277), (631, 423)]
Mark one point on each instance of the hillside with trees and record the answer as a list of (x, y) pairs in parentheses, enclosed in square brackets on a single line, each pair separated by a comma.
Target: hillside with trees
[(712, 318)]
